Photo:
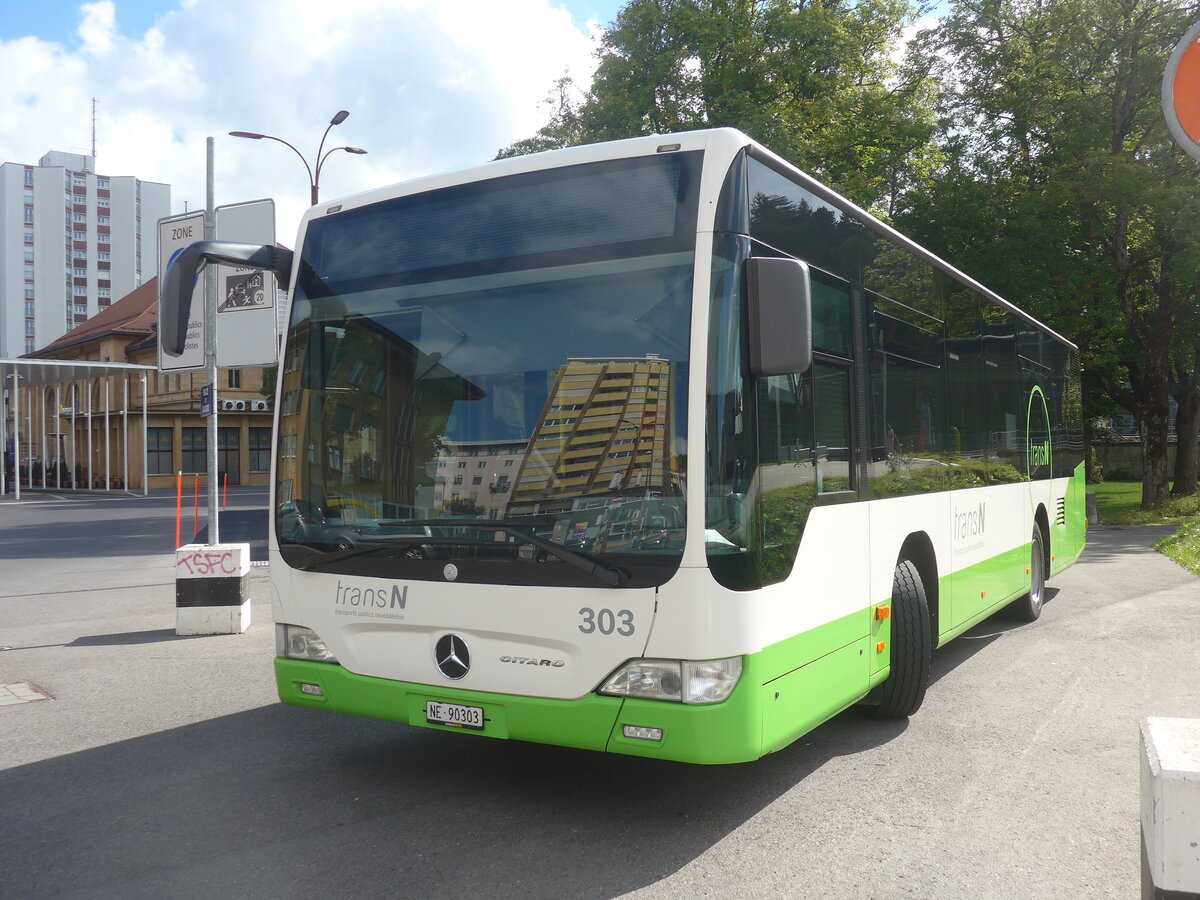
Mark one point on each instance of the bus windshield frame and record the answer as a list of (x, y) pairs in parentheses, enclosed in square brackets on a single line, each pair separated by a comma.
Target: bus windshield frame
[(512, 351)]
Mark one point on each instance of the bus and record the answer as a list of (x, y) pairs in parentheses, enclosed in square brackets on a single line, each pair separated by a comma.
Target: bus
[(657, 447)]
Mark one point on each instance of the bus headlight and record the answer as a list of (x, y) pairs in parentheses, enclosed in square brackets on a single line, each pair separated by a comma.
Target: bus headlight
[(297, 642), (684, 681)]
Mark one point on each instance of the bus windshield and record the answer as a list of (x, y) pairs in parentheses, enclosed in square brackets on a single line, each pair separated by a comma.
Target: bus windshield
[(513, 352)]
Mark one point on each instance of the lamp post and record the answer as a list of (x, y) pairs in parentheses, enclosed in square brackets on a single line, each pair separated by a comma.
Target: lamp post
[(314, 173)]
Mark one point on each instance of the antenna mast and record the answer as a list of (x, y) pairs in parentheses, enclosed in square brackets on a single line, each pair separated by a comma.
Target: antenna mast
[(93, 128)]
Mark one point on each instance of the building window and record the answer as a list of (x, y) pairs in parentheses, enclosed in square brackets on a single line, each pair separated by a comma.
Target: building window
[(28, 293), (101, 220), (28, 216), (81, 309), (260, 450), (228, 455), (29, 237), (195, 450), (79, 181), (104, 292), (81, 235), (102, 202), (102, 238), (79, 254), (80, 290), (29, 347), (79, 217), (478, 479), (235, 378), (103, 254), (81, 273), (102, 183), (29, 327), (158, 451), (29, 309)]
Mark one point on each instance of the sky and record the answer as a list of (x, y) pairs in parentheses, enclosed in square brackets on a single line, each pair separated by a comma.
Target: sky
[(430, 85)]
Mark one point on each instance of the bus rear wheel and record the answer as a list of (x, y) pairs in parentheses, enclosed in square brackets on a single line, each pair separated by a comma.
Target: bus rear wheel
[(903, 692), (1029, 607)]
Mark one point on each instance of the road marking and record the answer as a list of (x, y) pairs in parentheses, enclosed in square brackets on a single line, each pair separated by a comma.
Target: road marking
[(21, 692)]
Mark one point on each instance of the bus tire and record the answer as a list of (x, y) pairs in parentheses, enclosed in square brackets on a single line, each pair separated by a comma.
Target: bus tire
[(1029, 607), (903, 692)]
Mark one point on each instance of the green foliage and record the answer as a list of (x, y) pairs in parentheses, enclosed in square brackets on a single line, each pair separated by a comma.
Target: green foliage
[(464, 507), (926, 480), (269, 379), (1183, 546), (815, 82), (1120, 503), (1063, 190), (784, 513)]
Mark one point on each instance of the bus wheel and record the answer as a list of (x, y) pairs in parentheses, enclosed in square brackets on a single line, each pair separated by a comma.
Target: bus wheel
[(1029, 607), (901, 695)]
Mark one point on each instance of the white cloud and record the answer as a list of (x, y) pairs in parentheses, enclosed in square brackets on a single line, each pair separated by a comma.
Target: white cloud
[(429, 85)]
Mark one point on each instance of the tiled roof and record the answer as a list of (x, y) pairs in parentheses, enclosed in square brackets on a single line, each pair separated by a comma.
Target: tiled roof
[(134, 315)]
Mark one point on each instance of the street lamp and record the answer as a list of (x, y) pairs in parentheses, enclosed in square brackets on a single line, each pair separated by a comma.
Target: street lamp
[(314, 175)]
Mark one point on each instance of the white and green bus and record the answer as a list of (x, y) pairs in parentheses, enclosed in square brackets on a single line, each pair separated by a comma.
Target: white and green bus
[(657, 447)]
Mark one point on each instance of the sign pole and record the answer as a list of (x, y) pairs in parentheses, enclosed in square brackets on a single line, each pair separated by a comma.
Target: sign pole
[(210, 352)]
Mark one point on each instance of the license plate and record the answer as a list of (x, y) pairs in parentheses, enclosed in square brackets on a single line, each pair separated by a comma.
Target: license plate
[(454, 715)]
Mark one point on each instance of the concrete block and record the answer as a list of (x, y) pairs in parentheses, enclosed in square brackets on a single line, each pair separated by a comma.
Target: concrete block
[(1170, 794), (212, 593)]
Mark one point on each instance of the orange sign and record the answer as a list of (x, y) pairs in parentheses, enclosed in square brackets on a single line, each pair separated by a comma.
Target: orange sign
[(1181, 92)]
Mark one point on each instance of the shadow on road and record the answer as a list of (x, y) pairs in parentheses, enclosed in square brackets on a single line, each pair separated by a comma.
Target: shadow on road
[(278, 801), (286, 802), (1109, 542)]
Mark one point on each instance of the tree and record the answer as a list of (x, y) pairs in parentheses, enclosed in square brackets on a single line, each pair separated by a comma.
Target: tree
[(817, 82), (1082, 210)]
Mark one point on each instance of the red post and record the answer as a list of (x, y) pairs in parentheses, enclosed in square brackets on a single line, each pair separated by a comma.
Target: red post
[(178, 506), (225, 498), (196, 514)]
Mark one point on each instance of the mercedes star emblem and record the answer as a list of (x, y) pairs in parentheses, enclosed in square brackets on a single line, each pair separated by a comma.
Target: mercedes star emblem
[(452, 656)]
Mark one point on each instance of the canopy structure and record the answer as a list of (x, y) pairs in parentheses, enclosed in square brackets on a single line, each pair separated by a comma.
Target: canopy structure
[(48, 402)]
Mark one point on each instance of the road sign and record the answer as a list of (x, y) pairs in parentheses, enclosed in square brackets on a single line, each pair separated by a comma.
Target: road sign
[(206, 403), (246, 319), (1181, 92), (174, 234)]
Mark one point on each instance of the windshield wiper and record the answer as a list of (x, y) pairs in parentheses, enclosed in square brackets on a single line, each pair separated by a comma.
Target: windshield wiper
[(609, 575), (332, 556)]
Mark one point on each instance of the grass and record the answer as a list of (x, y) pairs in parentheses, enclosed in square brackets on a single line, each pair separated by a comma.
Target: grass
[(1183, 546), (1119, 503)]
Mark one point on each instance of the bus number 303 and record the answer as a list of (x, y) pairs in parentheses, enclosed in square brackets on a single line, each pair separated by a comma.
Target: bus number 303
[(606, 621)]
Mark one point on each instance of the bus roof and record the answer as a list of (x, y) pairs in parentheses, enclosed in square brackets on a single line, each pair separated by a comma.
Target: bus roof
[(726, 142)]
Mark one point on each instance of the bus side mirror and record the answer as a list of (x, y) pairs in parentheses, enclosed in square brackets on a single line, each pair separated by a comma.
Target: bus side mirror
[(779, 301), (175, 292)]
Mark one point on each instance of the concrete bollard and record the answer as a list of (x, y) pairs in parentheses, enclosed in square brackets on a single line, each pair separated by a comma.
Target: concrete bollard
[(212, 589), (1170, 789), (1089, 505)]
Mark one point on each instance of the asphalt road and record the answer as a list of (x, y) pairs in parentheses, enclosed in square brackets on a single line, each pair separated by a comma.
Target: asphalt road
[(164, 767)]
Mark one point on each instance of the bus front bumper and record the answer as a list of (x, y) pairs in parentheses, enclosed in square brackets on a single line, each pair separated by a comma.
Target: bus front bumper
[(727, 732)]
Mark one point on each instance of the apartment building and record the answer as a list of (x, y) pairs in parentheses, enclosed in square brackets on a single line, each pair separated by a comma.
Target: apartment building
[(72, 241)]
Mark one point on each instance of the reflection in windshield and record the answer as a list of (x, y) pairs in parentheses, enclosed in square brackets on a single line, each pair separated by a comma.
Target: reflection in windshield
[(556, 402)]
